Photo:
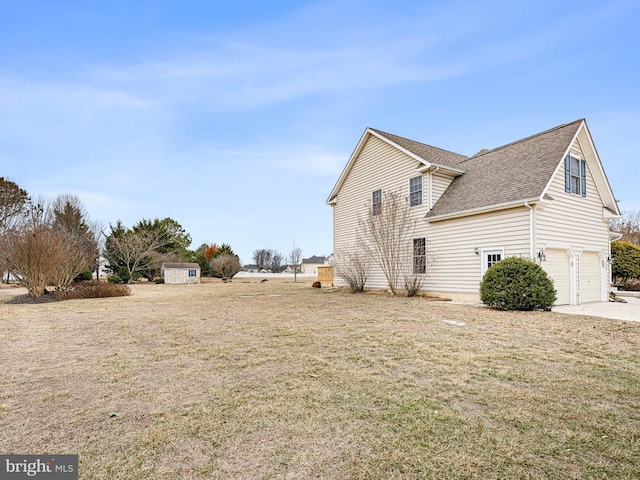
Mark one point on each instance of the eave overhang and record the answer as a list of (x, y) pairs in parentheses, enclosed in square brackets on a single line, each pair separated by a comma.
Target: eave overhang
[(484, 209)]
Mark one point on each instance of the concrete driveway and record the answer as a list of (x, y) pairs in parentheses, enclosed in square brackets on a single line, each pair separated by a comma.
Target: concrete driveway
[(621, 311)]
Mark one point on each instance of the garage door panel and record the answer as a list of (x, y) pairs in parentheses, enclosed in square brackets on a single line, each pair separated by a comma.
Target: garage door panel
[(557, 267), (590, 277)]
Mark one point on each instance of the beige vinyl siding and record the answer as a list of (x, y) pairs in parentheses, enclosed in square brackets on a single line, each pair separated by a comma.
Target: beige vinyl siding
[(571, 218), (378, 166), (455, 267), (574, 222), (439, 184)]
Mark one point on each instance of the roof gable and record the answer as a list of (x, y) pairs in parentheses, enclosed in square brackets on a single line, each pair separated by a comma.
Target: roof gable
[(517, 172), (506, 176), (425, 155), (586, 146)]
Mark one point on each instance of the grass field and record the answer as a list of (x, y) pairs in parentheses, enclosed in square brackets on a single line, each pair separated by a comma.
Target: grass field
[(279, 380)]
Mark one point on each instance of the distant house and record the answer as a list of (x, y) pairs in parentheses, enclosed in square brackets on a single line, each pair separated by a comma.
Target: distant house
[(545, 197), (180, 272), (310, 265), (329, 260), (250, 268)]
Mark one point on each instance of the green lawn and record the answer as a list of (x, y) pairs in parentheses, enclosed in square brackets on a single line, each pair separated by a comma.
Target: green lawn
[(279, 380)]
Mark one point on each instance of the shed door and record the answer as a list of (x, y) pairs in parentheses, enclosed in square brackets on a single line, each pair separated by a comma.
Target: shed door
[(590, 275), (557, 267), (181, 275)]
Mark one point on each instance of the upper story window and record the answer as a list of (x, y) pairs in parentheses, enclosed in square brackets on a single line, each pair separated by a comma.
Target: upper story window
[(415, 191), (575, 175), (376, 202)]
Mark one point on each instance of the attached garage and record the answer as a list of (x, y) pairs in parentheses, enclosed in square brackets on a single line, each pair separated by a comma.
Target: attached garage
[(590, 277), (558, 267)]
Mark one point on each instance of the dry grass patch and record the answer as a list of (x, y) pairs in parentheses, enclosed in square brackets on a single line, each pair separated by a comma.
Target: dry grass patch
[(279, 380)]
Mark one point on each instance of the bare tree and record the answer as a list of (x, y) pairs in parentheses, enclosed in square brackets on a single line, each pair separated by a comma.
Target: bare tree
[(384, 234), (295, 259), (132, 249), (262, 258), (225, 266), (71, 225), (35, 250), (354, 267), (629, 226), (418, 268), (276, 261), (51, 245)]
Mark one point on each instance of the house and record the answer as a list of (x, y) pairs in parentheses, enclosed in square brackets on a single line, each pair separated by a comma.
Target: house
[(544, 197), (310, 265), (180, 272)]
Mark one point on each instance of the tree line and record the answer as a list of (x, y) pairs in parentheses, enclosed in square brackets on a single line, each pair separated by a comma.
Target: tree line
[(625, 252), (54, 243)]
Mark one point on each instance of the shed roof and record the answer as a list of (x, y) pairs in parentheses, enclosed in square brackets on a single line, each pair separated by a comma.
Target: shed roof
[(180, 265)]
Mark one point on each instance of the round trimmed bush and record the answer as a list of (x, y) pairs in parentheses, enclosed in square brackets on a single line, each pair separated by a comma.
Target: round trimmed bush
[(517, 283)]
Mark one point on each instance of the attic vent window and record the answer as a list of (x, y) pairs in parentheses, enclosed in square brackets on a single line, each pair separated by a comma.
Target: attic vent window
[(575, 175)]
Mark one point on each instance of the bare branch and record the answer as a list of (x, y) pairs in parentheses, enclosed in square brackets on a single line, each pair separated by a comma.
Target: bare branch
[(353, 267), (384, 233)]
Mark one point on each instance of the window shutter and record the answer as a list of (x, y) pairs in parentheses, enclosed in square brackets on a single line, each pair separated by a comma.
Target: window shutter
[(567, 174), (583, 176)]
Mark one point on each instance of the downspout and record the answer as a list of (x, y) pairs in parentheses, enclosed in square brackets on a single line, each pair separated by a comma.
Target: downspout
[(531, 232)]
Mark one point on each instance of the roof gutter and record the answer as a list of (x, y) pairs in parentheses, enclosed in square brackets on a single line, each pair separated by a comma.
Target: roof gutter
[(484, 209), (426, 168)]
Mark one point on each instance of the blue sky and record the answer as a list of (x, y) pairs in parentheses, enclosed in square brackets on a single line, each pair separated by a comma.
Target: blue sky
[(236, 118)]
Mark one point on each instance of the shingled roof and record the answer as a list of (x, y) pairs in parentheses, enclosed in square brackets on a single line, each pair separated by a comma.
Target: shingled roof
[(518, 171), (431, 154)]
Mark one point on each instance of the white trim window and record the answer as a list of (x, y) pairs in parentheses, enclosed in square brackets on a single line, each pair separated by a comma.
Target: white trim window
[(193, 273), (376, 202), (490, 257), (419, 256), (415, 191)]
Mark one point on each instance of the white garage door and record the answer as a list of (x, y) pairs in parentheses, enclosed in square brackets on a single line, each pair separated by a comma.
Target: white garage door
[(557, 267), (590, 283)]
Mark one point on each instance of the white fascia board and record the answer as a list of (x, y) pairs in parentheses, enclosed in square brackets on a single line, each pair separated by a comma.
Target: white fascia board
[(609, 192), (486, 209), (356, 153), (403, 150), (345, 171), (561, 160)]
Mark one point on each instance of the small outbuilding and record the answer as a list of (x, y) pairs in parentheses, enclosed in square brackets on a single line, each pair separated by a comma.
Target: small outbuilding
[(181, 272)]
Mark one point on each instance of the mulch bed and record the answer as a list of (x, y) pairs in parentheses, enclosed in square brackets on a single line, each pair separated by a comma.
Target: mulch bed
[(46, 297)]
